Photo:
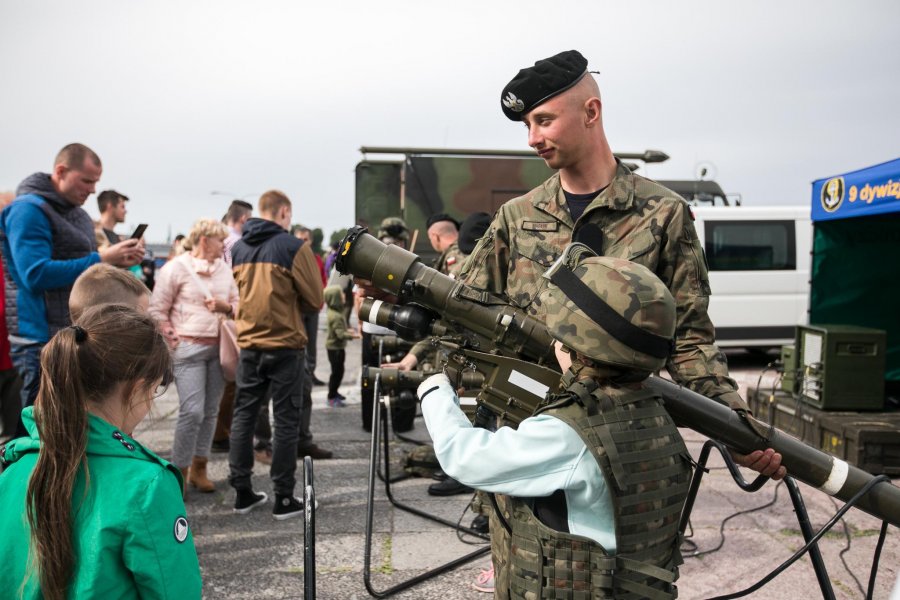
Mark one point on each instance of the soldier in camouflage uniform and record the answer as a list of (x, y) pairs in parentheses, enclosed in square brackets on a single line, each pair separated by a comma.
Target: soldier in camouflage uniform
[(597, 478), (596, 200), (443, 233)]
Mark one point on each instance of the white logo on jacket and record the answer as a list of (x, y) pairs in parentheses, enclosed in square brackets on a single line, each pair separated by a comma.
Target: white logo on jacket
[(180, 529)]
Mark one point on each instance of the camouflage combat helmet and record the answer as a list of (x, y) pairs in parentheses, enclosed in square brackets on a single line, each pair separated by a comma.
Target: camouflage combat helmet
[(609, 309), (393, 227)]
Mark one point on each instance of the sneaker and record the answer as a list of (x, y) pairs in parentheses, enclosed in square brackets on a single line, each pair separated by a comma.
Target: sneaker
[(220, 446), (314, 452), (247, 500), (341, 396), (287, 507), (317, 381), (263, 456), (485, 581), (336, 402)]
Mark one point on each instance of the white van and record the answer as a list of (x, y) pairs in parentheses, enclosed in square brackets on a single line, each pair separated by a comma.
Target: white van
[(759, 261)]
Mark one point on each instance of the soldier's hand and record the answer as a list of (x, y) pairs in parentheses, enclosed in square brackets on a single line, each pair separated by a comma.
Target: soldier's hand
[(407, 363), (766, 462), (124, 254)]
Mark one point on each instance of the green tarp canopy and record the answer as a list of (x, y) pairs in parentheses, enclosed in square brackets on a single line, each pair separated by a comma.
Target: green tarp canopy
[(856, 240)]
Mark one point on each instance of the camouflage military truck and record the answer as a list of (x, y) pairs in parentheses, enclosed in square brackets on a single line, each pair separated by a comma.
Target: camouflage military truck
[(428, 181), (419, 182)]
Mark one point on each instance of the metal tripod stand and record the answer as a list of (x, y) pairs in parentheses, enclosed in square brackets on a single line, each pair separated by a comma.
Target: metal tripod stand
[(380, 422)]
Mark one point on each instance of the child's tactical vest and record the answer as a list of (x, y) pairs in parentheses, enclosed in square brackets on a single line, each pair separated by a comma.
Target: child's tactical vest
[(647, 468)]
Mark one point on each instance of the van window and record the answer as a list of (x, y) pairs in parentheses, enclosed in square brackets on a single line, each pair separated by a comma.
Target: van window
[(750, 245)]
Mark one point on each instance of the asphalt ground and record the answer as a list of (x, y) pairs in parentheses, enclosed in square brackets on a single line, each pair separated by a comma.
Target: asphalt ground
[(255, 557)]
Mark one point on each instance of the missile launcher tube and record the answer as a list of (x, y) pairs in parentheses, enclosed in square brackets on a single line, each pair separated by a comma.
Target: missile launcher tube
[(397, 271), (809, 465)]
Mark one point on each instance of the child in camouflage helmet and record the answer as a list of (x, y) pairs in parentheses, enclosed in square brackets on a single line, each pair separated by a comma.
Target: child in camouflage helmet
[(595, 480)]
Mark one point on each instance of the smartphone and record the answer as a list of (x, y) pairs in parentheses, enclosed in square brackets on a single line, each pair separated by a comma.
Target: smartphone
[(139, 232)]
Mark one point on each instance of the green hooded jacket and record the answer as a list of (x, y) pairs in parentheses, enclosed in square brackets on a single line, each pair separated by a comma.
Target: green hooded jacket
[(337, 333), (130, 534)]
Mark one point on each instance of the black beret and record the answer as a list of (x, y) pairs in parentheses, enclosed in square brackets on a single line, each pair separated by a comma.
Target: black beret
[(471, 230), (547, 78), (441, 217)]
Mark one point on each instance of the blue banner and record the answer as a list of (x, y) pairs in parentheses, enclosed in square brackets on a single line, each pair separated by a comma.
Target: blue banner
[(871, 191)]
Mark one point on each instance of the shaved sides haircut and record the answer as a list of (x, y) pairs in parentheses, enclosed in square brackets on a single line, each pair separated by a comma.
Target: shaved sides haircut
[(446, 228), (74, 156), (584, 90), (237, 211)]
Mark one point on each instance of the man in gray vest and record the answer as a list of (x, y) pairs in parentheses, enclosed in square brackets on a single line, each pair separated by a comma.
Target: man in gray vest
[(48, 241)]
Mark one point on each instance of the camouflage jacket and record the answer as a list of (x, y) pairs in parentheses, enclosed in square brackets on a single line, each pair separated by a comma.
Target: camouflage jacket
[(450, 261), (638, 220)]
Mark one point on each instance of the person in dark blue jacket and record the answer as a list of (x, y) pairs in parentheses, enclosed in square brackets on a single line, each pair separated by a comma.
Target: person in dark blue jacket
[(48, 241)]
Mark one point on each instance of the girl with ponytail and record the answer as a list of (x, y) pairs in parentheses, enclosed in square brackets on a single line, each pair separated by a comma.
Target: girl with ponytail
[(85, 510)]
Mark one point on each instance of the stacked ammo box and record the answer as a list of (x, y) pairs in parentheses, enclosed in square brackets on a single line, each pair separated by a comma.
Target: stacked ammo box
[(832, 396)]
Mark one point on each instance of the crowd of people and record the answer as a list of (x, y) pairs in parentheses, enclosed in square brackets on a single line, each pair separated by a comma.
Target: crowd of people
[(91, 348), (85, 347)]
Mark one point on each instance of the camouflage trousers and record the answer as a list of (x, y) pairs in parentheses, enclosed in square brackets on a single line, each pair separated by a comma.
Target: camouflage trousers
[(481, 504), (500, 546)]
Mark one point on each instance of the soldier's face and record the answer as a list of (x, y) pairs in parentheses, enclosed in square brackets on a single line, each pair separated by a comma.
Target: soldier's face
[(553, 129)]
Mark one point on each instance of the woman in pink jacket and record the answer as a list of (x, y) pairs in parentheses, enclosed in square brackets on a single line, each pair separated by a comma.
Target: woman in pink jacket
[(193, 291)]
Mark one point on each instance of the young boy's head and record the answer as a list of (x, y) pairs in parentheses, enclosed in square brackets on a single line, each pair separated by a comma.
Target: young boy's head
[(334, 297), (609, 310), (105, 284)]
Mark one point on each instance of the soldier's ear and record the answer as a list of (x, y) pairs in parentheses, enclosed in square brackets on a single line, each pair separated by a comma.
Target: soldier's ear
[(592, 108)]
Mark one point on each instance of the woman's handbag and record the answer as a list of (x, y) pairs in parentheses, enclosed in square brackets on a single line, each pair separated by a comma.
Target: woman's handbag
[(228, 347)]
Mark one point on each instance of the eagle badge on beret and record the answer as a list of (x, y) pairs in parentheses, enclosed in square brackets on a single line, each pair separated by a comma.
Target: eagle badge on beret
[(513, 103)]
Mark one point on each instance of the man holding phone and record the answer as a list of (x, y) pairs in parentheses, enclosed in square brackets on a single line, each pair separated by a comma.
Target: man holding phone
[(113, 209), (48, 241)]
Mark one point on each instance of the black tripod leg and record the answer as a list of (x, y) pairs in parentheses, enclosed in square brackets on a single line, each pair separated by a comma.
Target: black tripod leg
[(370, 515), (815, 555)]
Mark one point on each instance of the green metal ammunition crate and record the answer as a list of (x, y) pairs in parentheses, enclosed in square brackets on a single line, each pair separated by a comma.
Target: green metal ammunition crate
[(870, 441), (786, 413)]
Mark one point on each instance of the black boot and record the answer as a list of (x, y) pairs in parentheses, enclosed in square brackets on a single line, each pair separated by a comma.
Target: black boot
[(448, 487)]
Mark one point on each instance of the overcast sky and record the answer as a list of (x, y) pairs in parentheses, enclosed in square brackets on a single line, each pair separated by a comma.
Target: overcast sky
[(184, 98)]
